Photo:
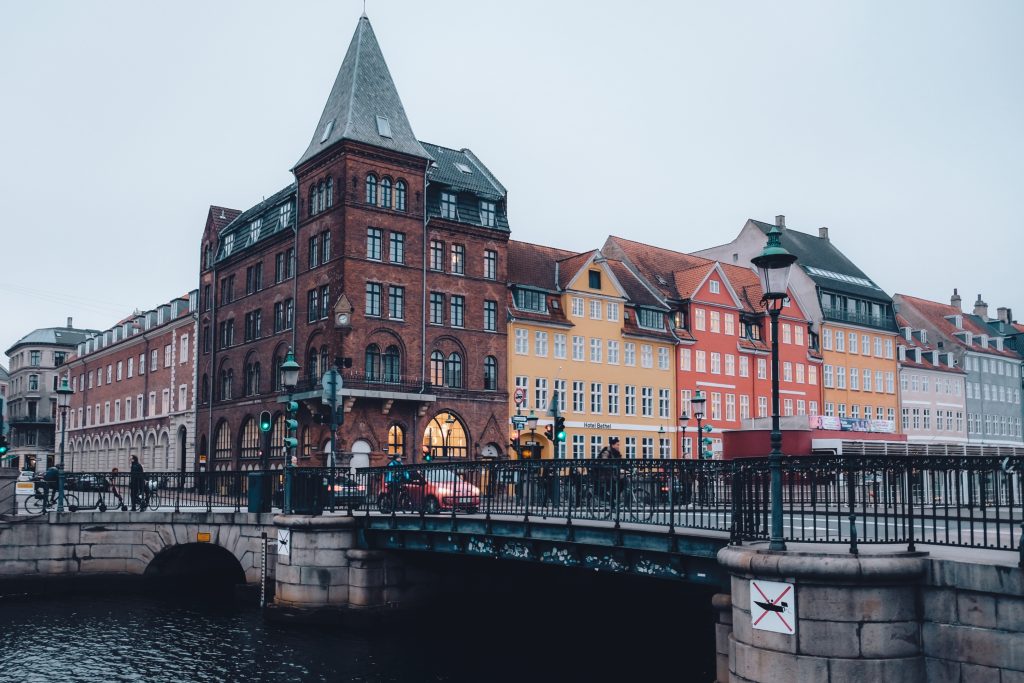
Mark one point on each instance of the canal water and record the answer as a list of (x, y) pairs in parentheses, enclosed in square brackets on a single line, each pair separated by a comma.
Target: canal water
[(528, 625)]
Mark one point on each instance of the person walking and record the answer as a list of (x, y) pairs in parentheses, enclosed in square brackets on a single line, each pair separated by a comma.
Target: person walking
[(394, 480), (136, 483)]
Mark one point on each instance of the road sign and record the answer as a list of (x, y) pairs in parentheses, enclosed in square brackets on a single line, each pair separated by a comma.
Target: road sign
[(332, 387), (520, 396), (284, 541), (773, 606), (518, 421)]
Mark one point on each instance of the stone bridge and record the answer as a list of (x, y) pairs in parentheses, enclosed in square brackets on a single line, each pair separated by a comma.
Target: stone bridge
[(948, 614)]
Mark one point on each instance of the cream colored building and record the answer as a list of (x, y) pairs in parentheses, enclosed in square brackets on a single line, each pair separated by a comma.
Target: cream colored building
[(583, 328)]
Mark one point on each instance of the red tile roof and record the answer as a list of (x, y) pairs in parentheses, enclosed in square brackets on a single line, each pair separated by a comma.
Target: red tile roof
[(533, 264), (935, 313)]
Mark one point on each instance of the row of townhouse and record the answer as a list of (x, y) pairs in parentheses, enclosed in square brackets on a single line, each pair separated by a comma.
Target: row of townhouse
[(390, 259)]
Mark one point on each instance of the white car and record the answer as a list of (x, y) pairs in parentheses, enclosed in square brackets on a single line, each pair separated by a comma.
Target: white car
[(26, 475)]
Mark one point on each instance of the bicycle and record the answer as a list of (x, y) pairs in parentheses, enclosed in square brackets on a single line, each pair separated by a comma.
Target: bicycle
[(149, 500), (44, 498), (601, 500)]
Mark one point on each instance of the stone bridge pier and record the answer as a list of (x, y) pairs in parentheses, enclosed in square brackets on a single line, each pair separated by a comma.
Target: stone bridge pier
[(325, 576)]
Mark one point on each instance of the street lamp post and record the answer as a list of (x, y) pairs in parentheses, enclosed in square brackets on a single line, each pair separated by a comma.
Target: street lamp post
[(683, 420), (449, 421), (64, 393), (697, 403), (289, 378), (773, 266)]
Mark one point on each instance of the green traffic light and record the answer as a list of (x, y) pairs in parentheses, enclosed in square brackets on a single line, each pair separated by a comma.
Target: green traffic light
[(3, 449), (265, 422), (560, 436)]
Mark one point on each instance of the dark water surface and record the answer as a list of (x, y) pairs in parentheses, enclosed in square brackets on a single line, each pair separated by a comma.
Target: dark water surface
[(523, 626)]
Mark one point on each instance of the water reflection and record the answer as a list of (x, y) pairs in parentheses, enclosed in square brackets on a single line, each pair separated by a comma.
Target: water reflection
[(525, 628)]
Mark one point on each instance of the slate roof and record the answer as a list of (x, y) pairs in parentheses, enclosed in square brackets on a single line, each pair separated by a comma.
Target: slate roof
[(4, 376), (935, 314), (363, 90), (479, 180), (58, 336), (269, 210), (826, 265)]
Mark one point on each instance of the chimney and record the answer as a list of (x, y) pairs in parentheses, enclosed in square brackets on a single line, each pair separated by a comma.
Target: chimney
[(823, 233), (955, 300), (780, 221), (981, 309), (1005, 314), (69, 322)]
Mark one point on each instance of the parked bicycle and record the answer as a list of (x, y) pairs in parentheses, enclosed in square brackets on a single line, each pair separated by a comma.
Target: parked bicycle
[(44, 499), (606, 492)]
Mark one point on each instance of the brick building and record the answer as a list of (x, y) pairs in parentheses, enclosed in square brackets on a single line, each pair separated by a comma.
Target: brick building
[(386, 259), (134, 394)]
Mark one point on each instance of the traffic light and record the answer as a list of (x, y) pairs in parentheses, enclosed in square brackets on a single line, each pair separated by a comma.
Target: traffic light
[(428, 454), (548, 433), (708, 453), (560, 428), (3, 446), (266, 422), (291, 428)]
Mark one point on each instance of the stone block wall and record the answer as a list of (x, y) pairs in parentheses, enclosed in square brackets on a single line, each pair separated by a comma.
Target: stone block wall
[(117, 543), (857, 618), (973, 626)]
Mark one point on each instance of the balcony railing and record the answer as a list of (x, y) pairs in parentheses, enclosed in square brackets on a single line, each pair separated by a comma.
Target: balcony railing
[(882, 322), (360, 380), (28, 419)]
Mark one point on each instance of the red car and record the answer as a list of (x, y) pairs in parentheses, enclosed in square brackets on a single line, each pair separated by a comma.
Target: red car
[(432, 492)]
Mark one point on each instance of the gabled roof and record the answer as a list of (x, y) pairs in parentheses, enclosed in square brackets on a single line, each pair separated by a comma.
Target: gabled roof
[(363, 93), (825, 264), (935, 314), (637, 293), (463, 170), (534, 265), (915, 343), (658, 265), (569, 267)]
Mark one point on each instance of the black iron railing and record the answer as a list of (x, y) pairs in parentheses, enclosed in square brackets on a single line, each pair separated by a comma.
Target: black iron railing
[(960, 501)]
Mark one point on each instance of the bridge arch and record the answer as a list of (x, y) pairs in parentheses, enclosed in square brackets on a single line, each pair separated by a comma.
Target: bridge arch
[(205, 563)]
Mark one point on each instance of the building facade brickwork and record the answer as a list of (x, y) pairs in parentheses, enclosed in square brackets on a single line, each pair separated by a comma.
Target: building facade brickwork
[(134, 394)]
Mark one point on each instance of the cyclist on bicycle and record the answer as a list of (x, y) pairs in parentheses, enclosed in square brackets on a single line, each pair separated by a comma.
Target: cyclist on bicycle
[(605, 477), (50, 483)]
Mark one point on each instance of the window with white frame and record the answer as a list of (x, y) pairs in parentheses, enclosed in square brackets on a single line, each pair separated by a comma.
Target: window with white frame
[(629, 354), (716, 321), (523, 382), (596, 347), (540, 344), (613, 352), (762, 368), (578, 446), (612, 311), (630, 399), (744, 407), (577, 347), (663, 362), (647, 401), (716, 363), (730, 324), (577, 307), (684, 359), (540, 392), (646, 356), (596, 394), (698, 319), (522, 341), (613, 399), (730, 364), (595, 309), (663, 402), (577, 397), (713, 286), (559, 345), (744, 366), (716, 405), (700, 361)]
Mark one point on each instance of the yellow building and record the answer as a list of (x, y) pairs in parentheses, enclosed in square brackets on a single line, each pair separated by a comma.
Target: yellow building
[(581, 327), (860, 377)]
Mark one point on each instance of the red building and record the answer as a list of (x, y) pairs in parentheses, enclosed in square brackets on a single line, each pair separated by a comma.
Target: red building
[(724, 350), (386, 259)]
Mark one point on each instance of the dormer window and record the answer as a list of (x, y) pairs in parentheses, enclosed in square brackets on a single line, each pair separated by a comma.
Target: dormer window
[(254, 230), (229, 243), (449, 205), (530, 300), (327, 131), (487, 213), (383, 126), (649, 319)]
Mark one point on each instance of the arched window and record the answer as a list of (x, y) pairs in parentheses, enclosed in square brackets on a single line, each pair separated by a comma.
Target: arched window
[(385, 193), (396, 441), (227, 378), (204, 396), (306, 443), (400, 195), (312, 200), (321, 198), (223, 441), (330, 192), (311, 366), (392, 364), (252, 379), (490, 373), (277, 437), (371, 189), (445, 437), (275, 373), (250, 439), (373, 363), (453, 371), (324, 359), (437, 368)]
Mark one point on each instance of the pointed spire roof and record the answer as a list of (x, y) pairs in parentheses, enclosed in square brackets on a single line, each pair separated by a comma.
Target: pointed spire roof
[(364, 105)]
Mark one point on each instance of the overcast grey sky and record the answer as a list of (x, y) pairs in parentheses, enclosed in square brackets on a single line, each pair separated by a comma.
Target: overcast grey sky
[(896, 124)]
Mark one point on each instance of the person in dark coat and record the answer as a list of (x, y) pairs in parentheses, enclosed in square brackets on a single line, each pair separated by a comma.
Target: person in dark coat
[(136, 482)]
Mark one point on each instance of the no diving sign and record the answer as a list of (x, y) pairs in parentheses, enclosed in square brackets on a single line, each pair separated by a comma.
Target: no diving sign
[(773, 606)]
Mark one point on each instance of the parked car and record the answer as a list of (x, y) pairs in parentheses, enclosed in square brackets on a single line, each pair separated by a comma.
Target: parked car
[(26, 475), (432, 492), (347, 491)]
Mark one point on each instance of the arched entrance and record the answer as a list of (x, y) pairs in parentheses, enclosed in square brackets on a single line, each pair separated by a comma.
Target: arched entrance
[(444, 436), (360, 454)]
